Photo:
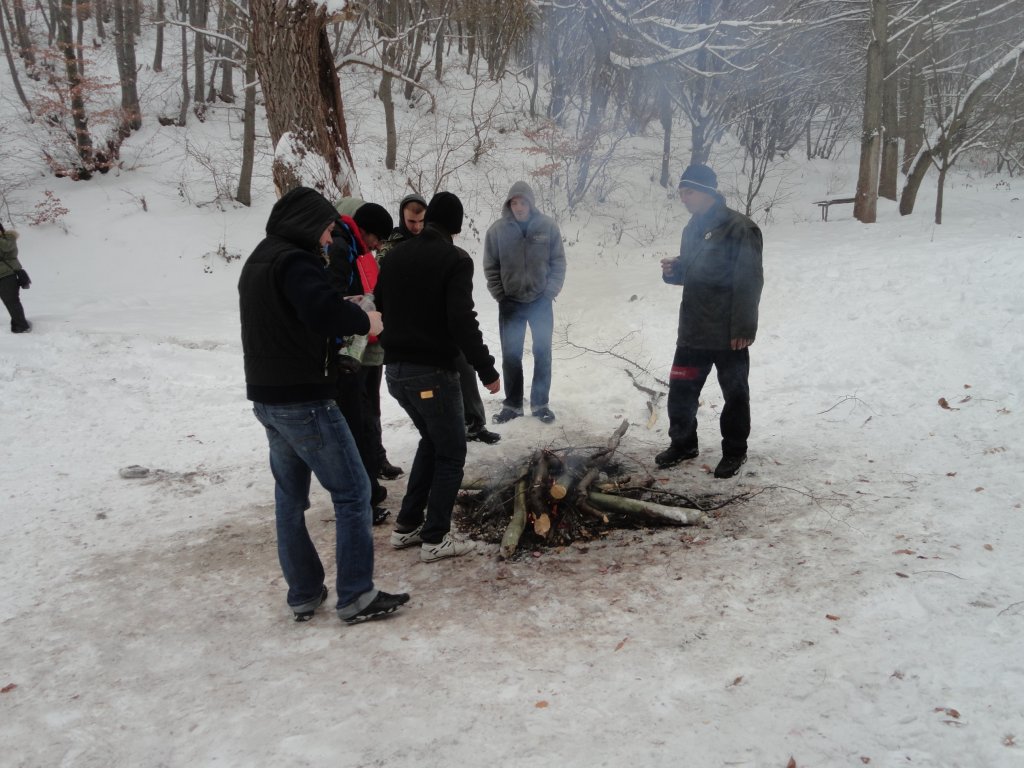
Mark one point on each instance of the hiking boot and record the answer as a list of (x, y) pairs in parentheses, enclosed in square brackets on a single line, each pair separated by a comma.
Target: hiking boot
[(482, 435), (447, 547), (380, 515), (382, 605), (307, 615), (388, 471), (673, 455), (729, 466), (506, 414), (400, 540), (26, 328), (545, 414)]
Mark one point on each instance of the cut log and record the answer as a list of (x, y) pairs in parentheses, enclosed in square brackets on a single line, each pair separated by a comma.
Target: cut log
[(510, 540), (647, 510)]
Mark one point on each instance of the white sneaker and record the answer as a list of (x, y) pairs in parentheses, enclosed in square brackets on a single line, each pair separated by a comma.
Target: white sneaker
[(408, 539), (448, 547)]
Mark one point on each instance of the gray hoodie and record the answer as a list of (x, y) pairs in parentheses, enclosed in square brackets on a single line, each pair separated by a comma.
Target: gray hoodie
[(523, 262)]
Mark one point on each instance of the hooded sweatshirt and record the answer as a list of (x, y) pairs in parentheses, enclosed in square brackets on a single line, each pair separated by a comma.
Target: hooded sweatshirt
[(523, 262), (290, 314)]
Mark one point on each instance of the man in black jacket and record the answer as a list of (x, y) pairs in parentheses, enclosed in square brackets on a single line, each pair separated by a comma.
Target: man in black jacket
[(719, 264), (290, 317), (425, 291)]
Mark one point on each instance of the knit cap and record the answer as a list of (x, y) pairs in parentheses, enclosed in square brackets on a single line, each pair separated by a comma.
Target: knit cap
[(445, 210)]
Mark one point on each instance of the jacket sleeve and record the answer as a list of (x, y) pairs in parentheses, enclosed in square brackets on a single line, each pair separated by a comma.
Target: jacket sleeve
[(748, 280), (462, 322), (316, 303), (492, 265), (556, 269)]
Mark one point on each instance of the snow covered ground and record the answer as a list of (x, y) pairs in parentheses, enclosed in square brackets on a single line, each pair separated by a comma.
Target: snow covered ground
[(864, 607)]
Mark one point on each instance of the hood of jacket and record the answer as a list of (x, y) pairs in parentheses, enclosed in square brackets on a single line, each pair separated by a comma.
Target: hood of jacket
[(412, 198), (300, 217), (521, 189)]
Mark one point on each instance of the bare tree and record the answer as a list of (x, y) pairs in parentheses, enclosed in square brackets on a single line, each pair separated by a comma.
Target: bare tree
[(302, 96)]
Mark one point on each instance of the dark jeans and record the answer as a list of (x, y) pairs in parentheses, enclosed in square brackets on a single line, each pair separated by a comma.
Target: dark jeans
[(432, 398), (513, 317), (355, 399), (313, 438), (10, 295), (690, 369), (472, 404)]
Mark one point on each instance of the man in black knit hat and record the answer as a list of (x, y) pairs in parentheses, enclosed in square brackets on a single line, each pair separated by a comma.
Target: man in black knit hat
[(425, 292), (719, 264)]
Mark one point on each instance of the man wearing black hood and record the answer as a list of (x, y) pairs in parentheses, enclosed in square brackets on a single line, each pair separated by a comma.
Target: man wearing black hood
[(719, 264), (411, 212), (290, 318), (425, 291)]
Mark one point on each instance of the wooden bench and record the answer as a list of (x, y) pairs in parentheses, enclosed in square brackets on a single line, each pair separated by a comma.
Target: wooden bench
[(824, 204)]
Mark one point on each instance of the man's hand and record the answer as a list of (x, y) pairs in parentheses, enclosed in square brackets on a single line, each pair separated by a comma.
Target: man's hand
[(668, 266), (494, 387), (738, 344), (376, 323)]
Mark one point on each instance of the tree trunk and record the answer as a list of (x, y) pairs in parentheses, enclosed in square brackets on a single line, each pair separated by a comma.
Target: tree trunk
[(865, 209), (14, 69), (98, 12), (22, 35), (198, 11), (124, 51), (186, 94), (83, 139), (228, 52), (665, 115), (939, 192), (158, 52), (888, 178), (913, 132), (244, 194), (302, 96)]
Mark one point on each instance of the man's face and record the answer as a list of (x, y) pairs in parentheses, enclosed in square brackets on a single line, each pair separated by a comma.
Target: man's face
[(520, 208), (696, 202), (413, 219), (371, 240), (325, 238)]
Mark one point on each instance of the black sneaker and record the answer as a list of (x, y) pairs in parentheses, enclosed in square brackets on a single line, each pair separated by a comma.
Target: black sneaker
[(380, 515), (506, 414), (307, 615), (382, 605), (675, 454), (483, 435), (388, 471), (729, 466), (545, 414)]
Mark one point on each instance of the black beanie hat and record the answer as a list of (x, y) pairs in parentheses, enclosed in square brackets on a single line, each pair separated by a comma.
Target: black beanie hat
[(699, 177), (445, 210), (374, 219)]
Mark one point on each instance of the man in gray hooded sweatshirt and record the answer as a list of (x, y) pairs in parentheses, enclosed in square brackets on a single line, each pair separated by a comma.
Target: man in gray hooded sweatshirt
[(524, 263)]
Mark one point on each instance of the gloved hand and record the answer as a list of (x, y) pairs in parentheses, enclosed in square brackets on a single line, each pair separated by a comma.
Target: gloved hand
[(24, 280)]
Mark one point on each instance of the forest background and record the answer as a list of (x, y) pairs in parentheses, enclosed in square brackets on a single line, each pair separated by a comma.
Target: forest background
[(855, 598)]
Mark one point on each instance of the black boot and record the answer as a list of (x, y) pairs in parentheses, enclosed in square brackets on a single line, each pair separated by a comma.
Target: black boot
[(729, 465), (675, 454)]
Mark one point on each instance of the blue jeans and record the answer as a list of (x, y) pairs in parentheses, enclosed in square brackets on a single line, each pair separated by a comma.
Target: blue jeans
[(690, 369), (433, 399), (307, 439), (513, 317)]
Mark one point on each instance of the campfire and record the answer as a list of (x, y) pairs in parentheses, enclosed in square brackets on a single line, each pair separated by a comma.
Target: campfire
[(559, 496)]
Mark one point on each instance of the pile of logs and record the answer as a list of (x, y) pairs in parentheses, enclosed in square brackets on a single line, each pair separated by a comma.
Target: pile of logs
[(559, 496)]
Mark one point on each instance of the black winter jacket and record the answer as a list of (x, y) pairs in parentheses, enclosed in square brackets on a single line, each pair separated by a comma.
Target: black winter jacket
[(290, 314), (719, 266), (425, 292)]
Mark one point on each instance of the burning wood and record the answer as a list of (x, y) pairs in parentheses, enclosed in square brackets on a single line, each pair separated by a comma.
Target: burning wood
[(555, 497)]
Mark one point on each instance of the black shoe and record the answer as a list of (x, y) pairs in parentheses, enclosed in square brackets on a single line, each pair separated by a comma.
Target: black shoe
[(482, 435), (307, 615), (506, 414), (729, 466), (388, 471), (380, 515), (382, 605), (545, 414), (378, 496), (673, 455), (27, 327)]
